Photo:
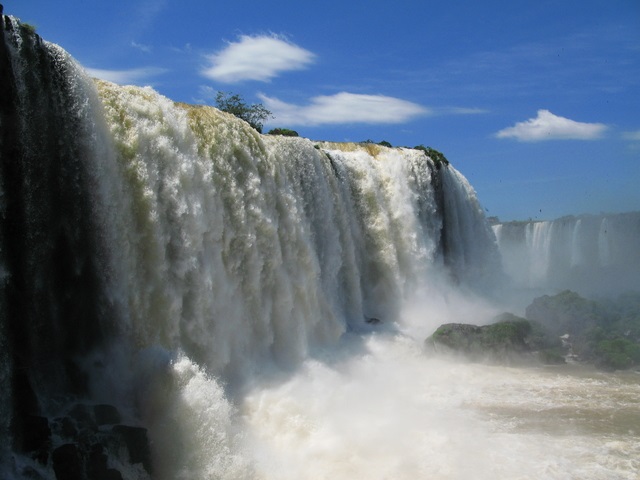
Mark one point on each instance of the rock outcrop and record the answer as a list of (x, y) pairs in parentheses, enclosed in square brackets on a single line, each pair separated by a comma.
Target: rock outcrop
[(510, 340), (89, 442)]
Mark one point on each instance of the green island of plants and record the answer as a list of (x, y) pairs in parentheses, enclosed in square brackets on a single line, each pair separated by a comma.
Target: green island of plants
[(604, 333)]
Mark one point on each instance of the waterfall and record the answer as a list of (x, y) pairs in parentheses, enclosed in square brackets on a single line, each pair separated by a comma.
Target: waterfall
[(155, 255), (576, 249), (538, 238), (302, 243), (593, 254), (604, 250)]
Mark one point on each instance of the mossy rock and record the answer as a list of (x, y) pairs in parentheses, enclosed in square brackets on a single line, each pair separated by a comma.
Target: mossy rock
[(509, 340)]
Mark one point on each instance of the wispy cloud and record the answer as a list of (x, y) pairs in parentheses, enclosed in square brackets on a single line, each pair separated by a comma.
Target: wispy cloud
[(134, 76), (141, 47), (575, 65), (547, 126), (460, 111), (633, 136), (344, 108), (146, 12), (258, 58)]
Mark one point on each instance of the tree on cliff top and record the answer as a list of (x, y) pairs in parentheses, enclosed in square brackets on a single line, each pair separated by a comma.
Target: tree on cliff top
[(254, 114)]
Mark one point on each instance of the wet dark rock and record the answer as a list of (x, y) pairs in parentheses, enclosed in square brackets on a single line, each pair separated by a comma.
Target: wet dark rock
[(67, 462), (32, 474), (67, 427), (88, 447), (82, 413), (108, 474), (97, 468), (106, 414), (137, 444), (37, 434)]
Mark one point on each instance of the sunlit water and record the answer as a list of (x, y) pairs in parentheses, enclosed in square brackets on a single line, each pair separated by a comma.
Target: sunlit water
[(394, 413), (229, 277)]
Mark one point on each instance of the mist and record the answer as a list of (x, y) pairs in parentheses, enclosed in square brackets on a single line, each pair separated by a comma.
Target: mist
[(185, 298)]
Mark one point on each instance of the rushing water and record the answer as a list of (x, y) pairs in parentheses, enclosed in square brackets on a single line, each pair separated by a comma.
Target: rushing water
[(594, 254), (257, 305), (394, 414)]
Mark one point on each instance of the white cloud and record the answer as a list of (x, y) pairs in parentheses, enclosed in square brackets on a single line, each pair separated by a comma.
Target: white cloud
[(547, 126), (633, 136), (134, 76), (142, 47), (461, 111), (256, 58), (345, 107)]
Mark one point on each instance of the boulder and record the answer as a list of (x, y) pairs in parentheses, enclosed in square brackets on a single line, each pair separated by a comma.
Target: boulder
[(37, 433), (106, 414), (509, 340), (97, 468), (135, 438), (67, 462)]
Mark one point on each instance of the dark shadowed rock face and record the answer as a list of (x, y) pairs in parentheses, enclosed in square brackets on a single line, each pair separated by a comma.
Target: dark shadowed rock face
[(55, 306), (85, 443), (135, 438)]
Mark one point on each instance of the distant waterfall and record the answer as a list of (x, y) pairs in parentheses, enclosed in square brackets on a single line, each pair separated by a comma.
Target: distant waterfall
[(593, 253), (149, 248), (604, 249), (577, 257), (538, 238)]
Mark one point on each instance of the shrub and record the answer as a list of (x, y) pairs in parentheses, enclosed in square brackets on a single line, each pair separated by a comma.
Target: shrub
[(383, 143), (254, 114), (438, 157), (27, 28), (617, 353), (283, 131)]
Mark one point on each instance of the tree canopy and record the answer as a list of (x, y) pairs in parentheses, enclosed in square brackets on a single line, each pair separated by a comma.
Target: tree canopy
[(286, 132), (254, 114), (437, 157)]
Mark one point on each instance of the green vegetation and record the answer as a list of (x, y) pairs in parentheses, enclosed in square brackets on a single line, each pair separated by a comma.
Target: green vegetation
[(283, 131), (254, 114), (617, 353), (605, 333), (438, 157), (27, 28), (511, 331), (383, 143), (511, 339)]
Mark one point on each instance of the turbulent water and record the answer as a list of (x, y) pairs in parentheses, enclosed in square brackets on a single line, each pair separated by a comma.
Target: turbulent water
[(257, 304)]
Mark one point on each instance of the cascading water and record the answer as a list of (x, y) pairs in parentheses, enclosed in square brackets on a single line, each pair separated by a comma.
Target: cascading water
[(245, 248), (183, 298), (155, 256), (594, 254)]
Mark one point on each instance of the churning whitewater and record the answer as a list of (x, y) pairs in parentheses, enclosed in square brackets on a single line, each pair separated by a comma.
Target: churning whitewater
[(184, 298)]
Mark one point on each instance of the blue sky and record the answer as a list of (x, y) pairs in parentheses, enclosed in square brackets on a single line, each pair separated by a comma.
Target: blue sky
[(537, 103)]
